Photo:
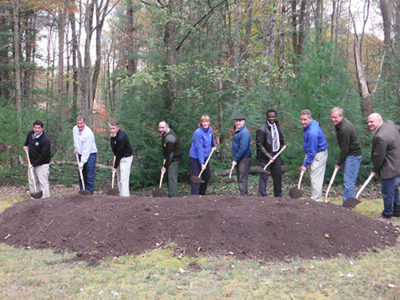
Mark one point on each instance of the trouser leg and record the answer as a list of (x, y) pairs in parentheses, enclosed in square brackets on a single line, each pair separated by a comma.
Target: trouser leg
[(262, 182), (89, 172), (243, 168), (317, 173), (42, 175), (173, 179), (350, 173), (124, 171), (276, 172), (31, 179)]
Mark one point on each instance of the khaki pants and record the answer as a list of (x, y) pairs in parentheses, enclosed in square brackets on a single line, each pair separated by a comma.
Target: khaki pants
[(123, 172), (41, 177), (317, 174)]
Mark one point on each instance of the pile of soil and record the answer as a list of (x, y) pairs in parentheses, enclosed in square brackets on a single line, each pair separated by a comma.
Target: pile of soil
[(101, 226)]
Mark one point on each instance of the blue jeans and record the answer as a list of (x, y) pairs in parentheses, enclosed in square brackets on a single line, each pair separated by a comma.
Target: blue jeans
[(390, 193), (350, 173), (199, 188), (89, 173)]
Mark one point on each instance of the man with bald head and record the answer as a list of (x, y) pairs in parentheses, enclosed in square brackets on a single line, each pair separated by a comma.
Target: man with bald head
[(172, 152), (386, 162)]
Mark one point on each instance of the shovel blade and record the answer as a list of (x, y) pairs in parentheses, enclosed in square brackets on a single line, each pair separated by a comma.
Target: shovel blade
[(84, 192), (229, 180), (37, 195), (113, 192), (351, 202), (261, 170), (197, 179), (159, 192), (295, 193)]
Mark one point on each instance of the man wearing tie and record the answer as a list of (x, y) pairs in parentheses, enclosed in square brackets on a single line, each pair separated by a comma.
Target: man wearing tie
[(269, 140)]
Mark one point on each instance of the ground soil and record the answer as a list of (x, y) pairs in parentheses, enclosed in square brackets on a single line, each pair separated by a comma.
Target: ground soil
[(101, 226)]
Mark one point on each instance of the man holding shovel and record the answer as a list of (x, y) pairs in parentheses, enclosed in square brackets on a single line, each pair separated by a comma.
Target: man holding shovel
[(386, 162), (172, 152), (241, 151), (39, 148), (123, 154), (85, 148), (350, 151), (316, 149), (269, 141)]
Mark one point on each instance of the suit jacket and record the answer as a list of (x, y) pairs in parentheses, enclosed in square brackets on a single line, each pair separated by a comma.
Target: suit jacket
[(386, 150), (264, 141)]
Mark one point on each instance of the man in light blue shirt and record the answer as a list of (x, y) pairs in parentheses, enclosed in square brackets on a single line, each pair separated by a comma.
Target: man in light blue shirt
[(85, 147), (316, 149)]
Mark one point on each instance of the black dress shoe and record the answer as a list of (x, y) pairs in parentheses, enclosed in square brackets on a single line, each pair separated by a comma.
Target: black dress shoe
[(396, 214)]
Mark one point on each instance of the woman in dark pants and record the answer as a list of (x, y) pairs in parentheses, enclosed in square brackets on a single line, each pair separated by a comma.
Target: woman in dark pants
[(202, 143)]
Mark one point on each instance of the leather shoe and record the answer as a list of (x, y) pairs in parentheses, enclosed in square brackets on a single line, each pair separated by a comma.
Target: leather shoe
[(396, 214)]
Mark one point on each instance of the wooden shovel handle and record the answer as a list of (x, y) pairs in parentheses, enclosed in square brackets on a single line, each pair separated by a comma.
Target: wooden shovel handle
[(208, 159), (301, 177), (30, 169), (113, 174), (80, 171), (330, 184), (162, 174), (230, 173), (364, 185), (276, 155)]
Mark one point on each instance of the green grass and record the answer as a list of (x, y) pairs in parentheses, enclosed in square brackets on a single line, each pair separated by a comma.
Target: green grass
[(161, 274)]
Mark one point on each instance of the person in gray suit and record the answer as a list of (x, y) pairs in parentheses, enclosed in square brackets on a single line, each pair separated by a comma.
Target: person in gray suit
[(386, 162)]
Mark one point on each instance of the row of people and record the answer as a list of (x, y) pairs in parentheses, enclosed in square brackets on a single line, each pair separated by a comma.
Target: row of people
[(269, 141)]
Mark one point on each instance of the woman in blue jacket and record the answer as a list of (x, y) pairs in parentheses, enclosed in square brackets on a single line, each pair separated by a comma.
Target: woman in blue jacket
[(202, 143)]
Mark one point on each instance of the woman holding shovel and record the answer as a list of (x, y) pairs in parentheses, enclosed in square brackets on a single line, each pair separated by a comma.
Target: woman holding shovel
[(202, 143)]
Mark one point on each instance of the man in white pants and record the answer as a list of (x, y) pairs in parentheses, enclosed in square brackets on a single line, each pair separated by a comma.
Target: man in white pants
[(123, 157), (316, 149), (38, 145)]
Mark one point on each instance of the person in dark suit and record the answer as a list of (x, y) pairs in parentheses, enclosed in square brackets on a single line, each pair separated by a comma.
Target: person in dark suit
[(386, 162)]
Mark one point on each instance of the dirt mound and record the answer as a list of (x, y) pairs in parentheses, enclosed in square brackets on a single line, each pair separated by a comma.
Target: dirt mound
[(245, 227)]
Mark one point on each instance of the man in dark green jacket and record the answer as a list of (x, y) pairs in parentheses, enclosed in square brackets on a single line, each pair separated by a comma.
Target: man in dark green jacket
[(386, 162), (350, 151), (172, 152)]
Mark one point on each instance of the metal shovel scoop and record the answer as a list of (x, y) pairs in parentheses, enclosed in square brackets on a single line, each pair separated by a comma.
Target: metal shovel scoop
[(353, 202), (159, 192), (113, 191), (82, 191), (330, 184), (197, 179), (296, 192), (35, 194), (230, 179), (264, 170)]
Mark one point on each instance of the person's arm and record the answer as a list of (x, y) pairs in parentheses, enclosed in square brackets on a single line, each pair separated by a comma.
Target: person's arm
[(243, 142), (169, 150), (310, 148), (344, 147), (26, 144), (260, 142), (88, 140), (119, 151), (198, 146), (378, 153)]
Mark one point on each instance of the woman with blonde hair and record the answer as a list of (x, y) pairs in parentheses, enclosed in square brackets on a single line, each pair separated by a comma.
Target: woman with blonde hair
[(202, 143)]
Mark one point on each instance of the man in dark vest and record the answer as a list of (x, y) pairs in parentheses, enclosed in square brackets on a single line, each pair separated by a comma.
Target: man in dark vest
[(172, 152)]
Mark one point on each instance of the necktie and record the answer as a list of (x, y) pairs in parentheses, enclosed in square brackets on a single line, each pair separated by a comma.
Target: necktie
[(275, 139)]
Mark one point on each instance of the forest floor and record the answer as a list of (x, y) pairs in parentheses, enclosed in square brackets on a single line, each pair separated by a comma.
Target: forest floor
[(101, 226)]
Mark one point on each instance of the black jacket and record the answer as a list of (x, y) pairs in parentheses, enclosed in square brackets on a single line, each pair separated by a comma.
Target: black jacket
[(120, 146), (171, 148), (264, 141), (386, 150), (39, 149)]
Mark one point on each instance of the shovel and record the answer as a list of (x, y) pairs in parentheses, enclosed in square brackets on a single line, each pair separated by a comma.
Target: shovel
[(113, 191), (82, 191), (197, 179), (353, 202), (330, 184), (296, 192), (38, 194), (230, 179), (159, 192), (264, 170)]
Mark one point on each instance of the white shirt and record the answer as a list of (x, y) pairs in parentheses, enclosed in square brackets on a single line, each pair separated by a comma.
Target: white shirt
[(84, 143)]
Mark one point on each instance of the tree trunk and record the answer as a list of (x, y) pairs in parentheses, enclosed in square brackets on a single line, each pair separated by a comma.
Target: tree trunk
[(74, 63), (18, 89), (367, 106), (5, 33), (269, 33), (130, 43), (60, 82)]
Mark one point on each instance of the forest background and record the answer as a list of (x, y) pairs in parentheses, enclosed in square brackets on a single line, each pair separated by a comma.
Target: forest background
[(138, 62)]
